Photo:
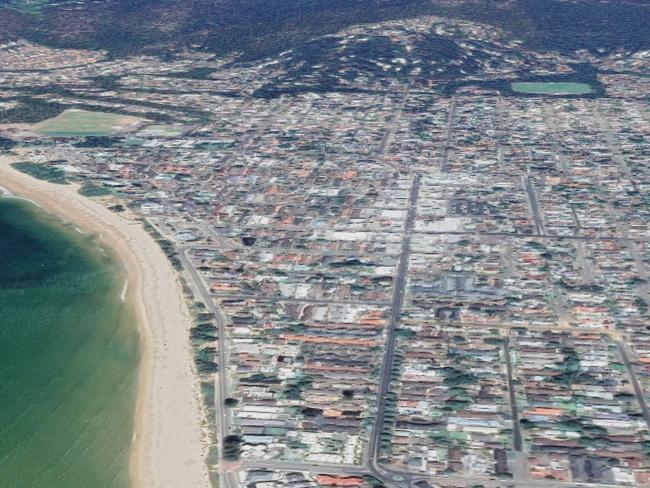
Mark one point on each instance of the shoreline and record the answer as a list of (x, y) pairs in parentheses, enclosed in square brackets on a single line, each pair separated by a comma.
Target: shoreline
[(169, 443)]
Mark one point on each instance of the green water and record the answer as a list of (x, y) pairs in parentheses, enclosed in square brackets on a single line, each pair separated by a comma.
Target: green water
[(68, 357), (552, 88)]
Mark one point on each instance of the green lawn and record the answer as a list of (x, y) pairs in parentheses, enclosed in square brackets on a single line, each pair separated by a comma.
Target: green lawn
[(552, 88), (72, 123)]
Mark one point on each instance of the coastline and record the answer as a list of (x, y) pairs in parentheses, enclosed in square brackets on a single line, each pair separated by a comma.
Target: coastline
[(168, 443)]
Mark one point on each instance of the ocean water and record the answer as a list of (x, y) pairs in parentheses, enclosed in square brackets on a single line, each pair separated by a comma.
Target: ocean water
[(68, 357)]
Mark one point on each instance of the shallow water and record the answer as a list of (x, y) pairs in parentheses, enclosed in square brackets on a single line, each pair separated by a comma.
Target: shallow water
[(68, 357)]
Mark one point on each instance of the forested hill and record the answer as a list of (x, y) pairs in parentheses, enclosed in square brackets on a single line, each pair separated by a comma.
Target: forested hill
[(257, 28)]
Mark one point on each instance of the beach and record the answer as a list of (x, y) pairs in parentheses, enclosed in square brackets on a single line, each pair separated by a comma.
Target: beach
[(169, 443)]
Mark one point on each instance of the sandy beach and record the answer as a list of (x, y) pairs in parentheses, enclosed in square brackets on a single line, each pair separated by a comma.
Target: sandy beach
[(169, 444)]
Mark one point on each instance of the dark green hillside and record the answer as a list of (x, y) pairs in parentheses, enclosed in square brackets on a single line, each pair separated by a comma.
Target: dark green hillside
[(262, 27)]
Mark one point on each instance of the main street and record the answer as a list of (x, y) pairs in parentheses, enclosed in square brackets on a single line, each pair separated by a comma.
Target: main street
[(451, 120), (374, 447)]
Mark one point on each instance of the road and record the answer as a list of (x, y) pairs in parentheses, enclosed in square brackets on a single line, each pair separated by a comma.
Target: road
[(324, 468), (519, 469), (501, 132), (324, 252), (450, 130), (638, 390), (314, 301), (373, 450), (519, 235), (550, 121), (534, 204), (469, 481), (221, 386), (615, 149), (389, 135), (406, 479)]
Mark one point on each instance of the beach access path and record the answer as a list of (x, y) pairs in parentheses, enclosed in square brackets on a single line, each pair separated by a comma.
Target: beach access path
[(169, 443)]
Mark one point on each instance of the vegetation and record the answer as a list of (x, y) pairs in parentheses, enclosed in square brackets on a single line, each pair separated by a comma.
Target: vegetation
[(205, 332), (205, 360), (386, 436), (231, 447), (208, 396), (92, 190), (99, 141), (6, 143), (405, 333), (230, 402), (295, 386), (166, 245), (42, 172), (74, 123), (30, 111), (456, 377), (259, 28)]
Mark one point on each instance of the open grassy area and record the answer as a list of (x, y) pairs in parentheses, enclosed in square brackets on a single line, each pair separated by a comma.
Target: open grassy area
[(81, 123), (552, 88)]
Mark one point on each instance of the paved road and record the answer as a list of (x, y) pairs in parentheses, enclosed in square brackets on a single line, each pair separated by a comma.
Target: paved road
[(549, 119), (305, 228), (617, 237), (501, 131), (324, 468), (468, 481), (389, 135), (519, 468), (614, 148), (638, 390), (519, 235), (451, 120), (314, 301), (372, 255), (314, 252), (372, 453), (534, 204), (221, 386), (405, 479)]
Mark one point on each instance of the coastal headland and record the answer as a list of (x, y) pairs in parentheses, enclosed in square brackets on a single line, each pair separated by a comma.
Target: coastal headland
[(169, 444)]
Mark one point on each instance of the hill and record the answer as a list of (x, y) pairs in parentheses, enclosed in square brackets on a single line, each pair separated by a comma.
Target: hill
[(258, 28)]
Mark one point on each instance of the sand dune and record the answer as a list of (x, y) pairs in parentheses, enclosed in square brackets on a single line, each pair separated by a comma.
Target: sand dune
[(169, 444)]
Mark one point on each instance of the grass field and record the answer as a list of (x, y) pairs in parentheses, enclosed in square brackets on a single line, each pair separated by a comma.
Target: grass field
[(552, 88), (72, 123)]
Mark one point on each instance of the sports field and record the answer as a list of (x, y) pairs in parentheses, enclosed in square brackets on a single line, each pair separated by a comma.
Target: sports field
[(552, 88), (73, 123)]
